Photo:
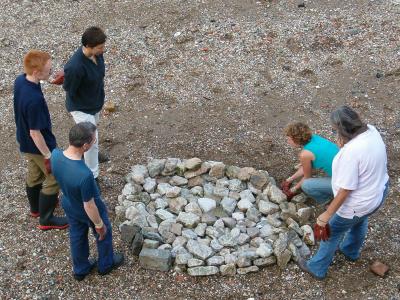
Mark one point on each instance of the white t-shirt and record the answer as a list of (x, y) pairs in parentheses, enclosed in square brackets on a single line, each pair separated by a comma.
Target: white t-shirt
[(361, 166)]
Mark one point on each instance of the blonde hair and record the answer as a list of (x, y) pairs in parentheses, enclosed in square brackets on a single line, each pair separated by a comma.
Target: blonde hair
[(35, 60)]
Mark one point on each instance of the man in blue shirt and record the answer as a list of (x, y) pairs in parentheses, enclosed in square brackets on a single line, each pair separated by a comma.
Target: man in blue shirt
[(83, 205), (84, 86), (36, 140)]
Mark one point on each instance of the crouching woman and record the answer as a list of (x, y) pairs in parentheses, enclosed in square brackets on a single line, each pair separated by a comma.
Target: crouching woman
[(360, 185)]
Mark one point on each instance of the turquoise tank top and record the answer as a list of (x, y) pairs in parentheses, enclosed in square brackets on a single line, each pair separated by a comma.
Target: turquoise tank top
[(324, 152)]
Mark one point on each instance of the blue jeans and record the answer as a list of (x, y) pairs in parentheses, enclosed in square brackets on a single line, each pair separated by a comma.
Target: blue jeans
[(78, 235), (346, 234), (319, 189)]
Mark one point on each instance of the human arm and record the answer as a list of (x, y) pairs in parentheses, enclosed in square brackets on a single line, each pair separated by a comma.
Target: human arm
[(40, 143), (306, 157), (94, 216), (72, 80)]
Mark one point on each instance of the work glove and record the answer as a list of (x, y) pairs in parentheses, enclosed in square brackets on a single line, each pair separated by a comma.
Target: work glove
[(59, 78), (285, 185), (322, 233), (102, 231), (47, 165)]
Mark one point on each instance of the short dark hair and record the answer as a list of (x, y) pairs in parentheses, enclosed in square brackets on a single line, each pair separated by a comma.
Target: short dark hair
[(299, 132), (347, 122), (93, 36), (81, 134)]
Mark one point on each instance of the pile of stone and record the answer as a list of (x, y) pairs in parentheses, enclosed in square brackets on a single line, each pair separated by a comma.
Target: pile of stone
[(209, 218)]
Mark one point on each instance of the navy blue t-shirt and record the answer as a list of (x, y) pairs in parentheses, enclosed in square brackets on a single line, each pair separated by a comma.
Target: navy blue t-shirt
[(84, 83), (77, 185), (31, 112)]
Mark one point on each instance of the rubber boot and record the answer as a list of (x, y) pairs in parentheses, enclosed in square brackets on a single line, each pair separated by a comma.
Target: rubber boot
[(33, 198), (47, 204)]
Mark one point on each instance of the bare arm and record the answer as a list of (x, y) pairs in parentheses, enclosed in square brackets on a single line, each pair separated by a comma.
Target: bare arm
[(92, 212), (40, 143), (306, 158)]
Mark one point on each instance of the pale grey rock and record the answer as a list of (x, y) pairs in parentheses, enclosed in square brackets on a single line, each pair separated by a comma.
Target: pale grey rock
[(274, 221), (243, 271), (140, 221), (238, 216), (155, 167), (294, 226), (192, 163), (243, 238), (154, 196), (194, 208), (164, 214), (222, 183), (259, 180), (209, 219), (194, 262), (200, 229), (179, 241), (163, 188), (165, 247), (248, 195), (189, 220), (206, 204), (267, 208), (232, 171), (275, 194), (308, 235), (236, 185), (229, 240), (266, 230), (244, 204), (189, 234), (176, 204), (170, 166), (208, 189), (281, 244), (228, 270), (300, 198), (165, 227), (253, 232), (228, 205), (173, 192), (219, 224), (245, 173), (283, 258), (149, 185), (139, 173), (199, 250), (120, 211), (304, 251), (229, 222), (128, 189), (151, 244), (230, 258), (256, 242), (197, 191), (295, 252), (252, 214), (253, 189), (213, 232), (304, 215), (263, 262), (203, 271), (264, 250), (176, 228), (234, 195), (178, 250), (161, 203), (155, 259), (182, 259), (205, 241), (221, 192), (152, 221), (177, 180), (243, 262), (215, 260), (215, 245)]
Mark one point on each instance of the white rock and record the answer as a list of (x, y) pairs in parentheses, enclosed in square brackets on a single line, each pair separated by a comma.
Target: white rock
[(264, 250), (206, 204), (267, 207), (189, 220), (248, 195), (164, 214), (244, 204)]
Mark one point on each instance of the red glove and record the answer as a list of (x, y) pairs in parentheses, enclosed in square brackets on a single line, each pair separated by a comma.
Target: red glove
[(59, 78), (289, 194), (285, 185), (102, 231), (47, 165), (322, 233)]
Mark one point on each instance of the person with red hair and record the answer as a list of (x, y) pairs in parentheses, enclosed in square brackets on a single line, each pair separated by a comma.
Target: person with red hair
[(36, 140)]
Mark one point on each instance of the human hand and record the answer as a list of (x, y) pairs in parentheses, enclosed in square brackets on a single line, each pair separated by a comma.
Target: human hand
[(47, 165), (102, 231), (58, 78)]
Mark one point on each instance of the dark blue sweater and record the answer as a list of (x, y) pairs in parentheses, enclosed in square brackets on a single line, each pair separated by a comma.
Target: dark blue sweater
[(84, 83)]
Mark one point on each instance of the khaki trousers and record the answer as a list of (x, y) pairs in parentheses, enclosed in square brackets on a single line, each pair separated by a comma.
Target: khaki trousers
[(37, 174)]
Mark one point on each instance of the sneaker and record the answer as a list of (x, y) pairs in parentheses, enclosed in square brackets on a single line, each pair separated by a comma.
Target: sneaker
[(93, 264), (303, 266), (118, 261)]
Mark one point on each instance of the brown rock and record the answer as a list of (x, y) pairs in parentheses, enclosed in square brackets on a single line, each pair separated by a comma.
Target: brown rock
[(379, 268), (198, 180), (109, 106)]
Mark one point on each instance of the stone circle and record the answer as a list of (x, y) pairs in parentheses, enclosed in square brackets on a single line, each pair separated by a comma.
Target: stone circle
[(208, 218)]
